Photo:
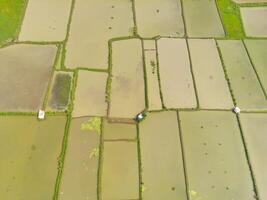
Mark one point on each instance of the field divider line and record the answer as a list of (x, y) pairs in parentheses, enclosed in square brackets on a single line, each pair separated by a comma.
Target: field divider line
[(139, 162), (158, 73), (135, 29), (226, 74), (183, 18), (61, 160), (255, 188), (183, 155), (255, 70), (145, 77), (63, 56), (192, 72), (100, 161)]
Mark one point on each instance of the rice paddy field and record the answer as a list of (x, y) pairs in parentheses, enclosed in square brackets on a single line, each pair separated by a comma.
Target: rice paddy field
[(143, 100)]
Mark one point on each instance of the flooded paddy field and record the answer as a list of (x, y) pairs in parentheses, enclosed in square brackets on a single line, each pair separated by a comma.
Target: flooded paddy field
[(213, 91), (254, 127), (29, 151), (202, 18), (25, 71), (80, 175), (127, 93), (257, 50), (139, 99), (60, 92), (120, 179), (175, 74), (159, 18), (38, 25), (93, 24), (161, 157), (212, 144), (254, 20), (247, 90), (90, 95)]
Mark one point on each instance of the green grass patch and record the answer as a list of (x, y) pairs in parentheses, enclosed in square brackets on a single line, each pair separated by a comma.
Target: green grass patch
[(11, 13), (230, 14)]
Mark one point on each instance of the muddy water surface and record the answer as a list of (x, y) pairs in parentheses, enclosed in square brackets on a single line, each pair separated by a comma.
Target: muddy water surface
[(157, 17), (45, 20), (161, 158), (215, 158), (79, 180), (29, 151)]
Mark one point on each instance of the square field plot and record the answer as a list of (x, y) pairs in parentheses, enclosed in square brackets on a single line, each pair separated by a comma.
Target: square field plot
[(79, 180), (214, 152), (254, 127), (202, 18), (93, 24), (255, 21), (25, 71), (90, 94), (45, 20), (120, 178), (159, 18), (29, 152)]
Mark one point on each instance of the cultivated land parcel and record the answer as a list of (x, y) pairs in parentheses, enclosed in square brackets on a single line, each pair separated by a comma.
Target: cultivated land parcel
[(94, 65)]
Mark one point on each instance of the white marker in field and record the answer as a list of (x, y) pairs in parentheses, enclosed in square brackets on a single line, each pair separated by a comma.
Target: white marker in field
[(236, 110), (41, 114)]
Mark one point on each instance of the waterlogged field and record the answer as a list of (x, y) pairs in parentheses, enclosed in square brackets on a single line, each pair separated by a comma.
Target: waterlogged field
[(25, 70), (138, 98), (29, 152)]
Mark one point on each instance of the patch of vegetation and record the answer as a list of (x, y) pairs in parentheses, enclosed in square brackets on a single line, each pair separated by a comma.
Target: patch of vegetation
[(153, 64), (11, 13), (61, 91), (230, 14), (94, 153), (93, 124)]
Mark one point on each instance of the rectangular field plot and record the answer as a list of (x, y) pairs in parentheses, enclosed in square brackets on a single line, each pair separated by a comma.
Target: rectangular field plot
[(257, 50), (79, 179), (159, 18), (246, 87), (255, 21), (45, 20), (90, 94), (254, 127), (161, 157), (214, 153), (25, 71), (60, 92), (175, 75), (29, 152), (153, 92), (119, 131), (127, 97), (93, 24), (120, 179), (202, 18), (213, 91)]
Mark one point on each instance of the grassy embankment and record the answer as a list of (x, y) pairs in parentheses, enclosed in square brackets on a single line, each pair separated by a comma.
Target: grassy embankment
[(11, 13)]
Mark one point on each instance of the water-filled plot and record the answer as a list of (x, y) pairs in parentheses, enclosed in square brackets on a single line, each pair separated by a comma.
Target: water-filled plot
[(80, 176), (246, 88), (25, 71), (159, 18), (90, 94), (45, 20), (161, 157), (29, 151), (215, 157), (93, 24)]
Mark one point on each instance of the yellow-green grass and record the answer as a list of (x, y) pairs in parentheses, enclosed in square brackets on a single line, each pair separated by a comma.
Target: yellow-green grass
[(230, 14), (11, 13)]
